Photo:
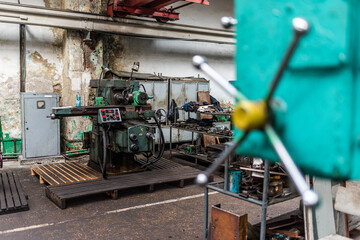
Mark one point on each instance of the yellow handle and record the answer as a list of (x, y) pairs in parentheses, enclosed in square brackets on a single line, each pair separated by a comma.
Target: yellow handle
[(249, 115)]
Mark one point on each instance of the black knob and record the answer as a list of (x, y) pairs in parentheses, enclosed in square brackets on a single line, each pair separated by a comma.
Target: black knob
[(133, 137), (149, 135), (134, 147)]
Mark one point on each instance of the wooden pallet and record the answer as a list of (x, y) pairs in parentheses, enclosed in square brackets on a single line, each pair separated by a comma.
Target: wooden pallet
[(60, 194), (12, 196), (163, 163), (62, 173)]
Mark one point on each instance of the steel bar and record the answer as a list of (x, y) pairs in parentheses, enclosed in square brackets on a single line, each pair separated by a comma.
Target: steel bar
[(226, 174), (206, 212), (203, 178), (261, 171), (309, 197), (234, 195), (264, 200), (47, 17), (300, 27), (200, 62)]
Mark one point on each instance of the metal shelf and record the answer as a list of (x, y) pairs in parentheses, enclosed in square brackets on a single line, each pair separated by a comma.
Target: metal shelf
[(216, 113), (219, 187), (203, 132), (210, 113), (196, 156)]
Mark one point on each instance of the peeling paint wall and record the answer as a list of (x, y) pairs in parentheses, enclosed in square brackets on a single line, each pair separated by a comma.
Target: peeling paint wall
[(59, 61), (173, 58), (82, 62), (9, 80)]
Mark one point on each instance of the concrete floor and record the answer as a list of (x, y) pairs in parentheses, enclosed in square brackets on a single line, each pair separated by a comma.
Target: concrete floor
[(163, 214)]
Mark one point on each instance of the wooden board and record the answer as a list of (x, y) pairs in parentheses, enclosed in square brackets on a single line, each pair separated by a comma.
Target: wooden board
[(62, 173), (163, 163), (12, 196), (60, 194), (347, 200), (208, 140), (204, 96)]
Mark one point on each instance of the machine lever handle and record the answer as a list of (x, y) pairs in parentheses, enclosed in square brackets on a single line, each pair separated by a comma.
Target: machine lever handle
[(309, 197), (203, 178), (301, 27), (228, 22), (200, 62)]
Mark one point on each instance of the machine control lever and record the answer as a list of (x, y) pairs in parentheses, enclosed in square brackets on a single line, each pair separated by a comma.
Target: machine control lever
[(309, 197), (228, 22), (200, 62), (300, 27)]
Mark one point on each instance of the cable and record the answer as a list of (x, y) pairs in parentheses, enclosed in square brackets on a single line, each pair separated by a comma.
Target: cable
[(162, 142), (98, 87), (104, 153), (141, 85)]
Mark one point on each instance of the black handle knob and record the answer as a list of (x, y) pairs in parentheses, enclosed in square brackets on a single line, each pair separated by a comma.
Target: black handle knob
[(133, 137)]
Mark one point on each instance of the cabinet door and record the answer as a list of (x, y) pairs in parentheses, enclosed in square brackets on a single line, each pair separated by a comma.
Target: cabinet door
[(41, 134)]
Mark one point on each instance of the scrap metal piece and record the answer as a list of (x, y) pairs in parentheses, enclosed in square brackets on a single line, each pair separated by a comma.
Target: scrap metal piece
[(227, 225)]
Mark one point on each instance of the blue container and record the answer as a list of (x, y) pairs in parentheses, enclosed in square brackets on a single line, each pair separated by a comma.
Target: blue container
[(78, 100), (235, 177)]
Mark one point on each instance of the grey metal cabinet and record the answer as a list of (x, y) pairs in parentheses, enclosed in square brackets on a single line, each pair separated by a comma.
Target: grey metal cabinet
[(40, 134), (182, 91)]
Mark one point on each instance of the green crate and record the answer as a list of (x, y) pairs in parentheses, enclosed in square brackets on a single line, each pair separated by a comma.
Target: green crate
[(10, 143)]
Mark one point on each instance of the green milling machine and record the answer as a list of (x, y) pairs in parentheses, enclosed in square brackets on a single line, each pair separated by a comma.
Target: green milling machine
[(121, 125)]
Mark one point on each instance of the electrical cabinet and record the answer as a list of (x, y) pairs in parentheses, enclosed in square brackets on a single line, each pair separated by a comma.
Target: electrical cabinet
[(40, 134)]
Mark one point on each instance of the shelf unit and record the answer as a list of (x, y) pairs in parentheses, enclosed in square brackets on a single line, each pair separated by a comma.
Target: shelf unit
[(196, 131), (223, 186)]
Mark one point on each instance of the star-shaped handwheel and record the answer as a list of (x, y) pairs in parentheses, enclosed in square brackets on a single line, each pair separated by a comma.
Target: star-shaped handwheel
[(255, 115)]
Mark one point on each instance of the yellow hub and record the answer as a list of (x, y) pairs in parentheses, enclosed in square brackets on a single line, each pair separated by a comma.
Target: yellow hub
[(249, 115)]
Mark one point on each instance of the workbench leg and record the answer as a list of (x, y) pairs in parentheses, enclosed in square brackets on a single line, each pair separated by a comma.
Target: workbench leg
[(192, 138), (324, 218), (226, 175), (308, 218), (226, 167), (170, 146), (206, 209), (264, 200)]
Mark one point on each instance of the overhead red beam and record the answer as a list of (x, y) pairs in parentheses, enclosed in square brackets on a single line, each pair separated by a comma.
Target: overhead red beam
[(205, 2), (160, 4), (137, 3)]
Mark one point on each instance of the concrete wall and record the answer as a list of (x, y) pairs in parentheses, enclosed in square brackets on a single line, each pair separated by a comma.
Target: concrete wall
[(59, 61)]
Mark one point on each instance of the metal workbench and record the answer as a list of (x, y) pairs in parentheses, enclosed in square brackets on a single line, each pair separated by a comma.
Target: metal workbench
[(193, 131), (223, 187)]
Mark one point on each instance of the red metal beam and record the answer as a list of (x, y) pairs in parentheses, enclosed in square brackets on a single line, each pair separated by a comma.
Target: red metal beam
[(147, 8), (204, 2), (145, 12), (160, 4), (136, 3)]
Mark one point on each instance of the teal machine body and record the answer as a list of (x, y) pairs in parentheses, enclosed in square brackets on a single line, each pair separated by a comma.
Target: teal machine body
[(319, 96)]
